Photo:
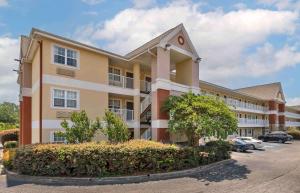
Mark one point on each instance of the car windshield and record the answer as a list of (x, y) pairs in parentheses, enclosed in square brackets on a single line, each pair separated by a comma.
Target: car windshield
[(240, 142)]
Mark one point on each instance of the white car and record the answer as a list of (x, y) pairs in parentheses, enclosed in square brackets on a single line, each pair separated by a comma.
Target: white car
[(254, 143)]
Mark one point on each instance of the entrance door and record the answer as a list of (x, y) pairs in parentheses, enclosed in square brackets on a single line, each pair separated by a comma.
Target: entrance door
[(129, 80), (129, 113)]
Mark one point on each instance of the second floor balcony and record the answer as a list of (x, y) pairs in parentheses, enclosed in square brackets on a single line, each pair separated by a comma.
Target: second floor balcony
[(244, 122), (120, 81), (124, 114)]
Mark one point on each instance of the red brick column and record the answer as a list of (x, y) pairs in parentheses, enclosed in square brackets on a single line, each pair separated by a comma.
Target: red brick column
[(25, 134)]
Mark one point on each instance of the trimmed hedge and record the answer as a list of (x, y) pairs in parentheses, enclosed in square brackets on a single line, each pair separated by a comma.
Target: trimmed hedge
[(294, 132), (10, 136), (10, 144), (103, 159)]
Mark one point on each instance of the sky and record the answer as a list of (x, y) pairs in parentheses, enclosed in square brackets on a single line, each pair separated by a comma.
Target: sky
[(241, 43)]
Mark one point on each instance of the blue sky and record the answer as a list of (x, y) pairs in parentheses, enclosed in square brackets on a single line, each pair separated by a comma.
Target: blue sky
[(242, 43)]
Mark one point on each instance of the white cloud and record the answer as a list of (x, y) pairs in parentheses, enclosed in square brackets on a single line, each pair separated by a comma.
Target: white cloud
[(3, 3), (267, 59), (143, 3), (293, 101), (92, 2), (9, 50), (282, 4), (220, 38)]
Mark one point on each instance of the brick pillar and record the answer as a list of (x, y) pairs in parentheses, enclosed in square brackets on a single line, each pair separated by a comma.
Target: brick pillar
[(20, 124), (26, 121), (273, 117)]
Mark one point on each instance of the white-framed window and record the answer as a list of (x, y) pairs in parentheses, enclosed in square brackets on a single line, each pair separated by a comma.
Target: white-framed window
[(65, 56), (115, 74), (63, 98), (114, 104), (55, 138)]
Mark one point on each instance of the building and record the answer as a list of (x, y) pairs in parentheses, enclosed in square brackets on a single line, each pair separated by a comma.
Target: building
[(58, 76)]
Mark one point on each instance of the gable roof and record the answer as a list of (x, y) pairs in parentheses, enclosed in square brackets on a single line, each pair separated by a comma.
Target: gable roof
[(203, 83), (265, 91), (163, 38)]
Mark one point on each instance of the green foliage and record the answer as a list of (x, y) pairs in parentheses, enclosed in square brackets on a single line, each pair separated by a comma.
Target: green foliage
[(10, 144), (197, 115), (9, 113), (82, 130), (294, 132), (10, 137), (105, 159), (8, 126), (115, 128)]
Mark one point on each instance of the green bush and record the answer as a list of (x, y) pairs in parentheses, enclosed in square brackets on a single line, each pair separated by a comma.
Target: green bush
[(294, 132), (103, 159), (7, 126), (10, 144), (10, 137)]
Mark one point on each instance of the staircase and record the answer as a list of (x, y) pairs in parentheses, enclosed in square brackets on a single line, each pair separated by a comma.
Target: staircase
[(145, 117)]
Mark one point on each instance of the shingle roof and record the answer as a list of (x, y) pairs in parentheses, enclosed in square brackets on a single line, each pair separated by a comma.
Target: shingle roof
[(265, 91)]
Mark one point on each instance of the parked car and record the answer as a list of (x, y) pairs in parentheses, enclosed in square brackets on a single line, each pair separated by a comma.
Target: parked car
[(290, 138), (254, 143), (239, 145), (280, 137)]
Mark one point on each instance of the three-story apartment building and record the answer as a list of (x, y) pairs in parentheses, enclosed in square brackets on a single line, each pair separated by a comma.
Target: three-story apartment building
[(58, 76)]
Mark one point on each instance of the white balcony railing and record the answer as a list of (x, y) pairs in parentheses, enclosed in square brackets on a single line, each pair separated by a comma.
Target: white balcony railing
[(125, 114), (120, 81), (292, 124), (240, 104), (145, 86), (145, 103), (292, 115), (253, 122)]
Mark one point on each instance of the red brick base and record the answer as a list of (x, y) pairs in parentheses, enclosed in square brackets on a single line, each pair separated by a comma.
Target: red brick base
[(25, 122)]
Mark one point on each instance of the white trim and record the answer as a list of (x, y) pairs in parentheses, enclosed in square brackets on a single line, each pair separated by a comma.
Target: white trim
[(169, 85), (26, 92), (133, 124), (35, 124), (159, 123), (81, 84), (65, 89), (272, 112), (65, 65), (183, 51)]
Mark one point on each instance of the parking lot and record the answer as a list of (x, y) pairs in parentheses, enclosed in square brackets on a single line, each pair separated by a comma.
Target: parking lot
[(276, 169)]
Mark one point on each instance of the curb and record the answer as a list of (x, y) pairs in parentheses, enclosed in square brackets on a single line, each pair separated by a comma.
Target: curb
[(16, 178)]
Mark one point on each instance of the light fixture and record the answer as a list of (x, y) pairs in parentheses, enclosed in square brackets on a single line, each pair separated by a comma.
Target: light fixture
[(167, 45), (198, 59)]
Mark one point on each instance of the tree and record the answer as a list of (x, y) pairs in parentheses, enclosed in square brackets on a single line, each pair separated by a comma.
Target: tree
[(115, 128), (9, 113), (82, 128), (197, 115)]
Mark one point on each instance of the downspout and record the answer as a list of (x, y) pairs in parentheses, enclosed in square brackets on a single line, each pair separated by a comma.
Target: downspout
[(41, 91)]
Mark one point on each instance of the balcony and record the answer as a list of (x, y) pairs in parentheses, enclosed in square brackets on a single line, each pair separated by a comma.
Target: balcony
[(292, 115), (244, 122), (292, 124), (120, 81), (242, 106), (124, 114)]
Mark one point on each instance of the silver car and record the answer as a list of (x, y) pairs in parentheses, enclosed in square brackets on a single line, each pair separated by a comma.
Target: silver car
[(254, 143)]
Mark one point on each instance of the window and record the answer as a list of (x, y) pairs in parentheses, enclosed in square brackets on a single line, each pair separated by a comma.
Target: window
[(57, 138), (65, 56), (114, 104), (115, 74), (65, 98)]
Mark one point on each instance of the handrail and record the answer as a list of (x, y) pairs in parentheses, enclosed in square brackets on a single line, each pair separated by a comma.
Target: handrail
[(125, 114), (120, 81)]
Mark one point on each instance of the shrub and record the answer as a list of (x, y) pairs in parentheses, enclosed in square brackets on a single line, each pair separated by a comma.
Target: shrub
[(82, 130), (115, 129), (294, 132), (8, 157), (10, 144), (9, 137), (103, 159), (7, 126)]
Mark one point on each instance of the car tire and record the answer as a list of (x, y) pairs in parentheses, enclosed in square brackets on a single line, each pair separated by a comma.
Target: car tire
[(252, 147), (280, 141)]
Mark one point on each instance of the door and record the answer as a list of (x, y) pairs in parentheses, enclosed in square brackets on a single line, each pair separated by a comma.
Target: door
[(129, 80), (129, 110), (148, 83)]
